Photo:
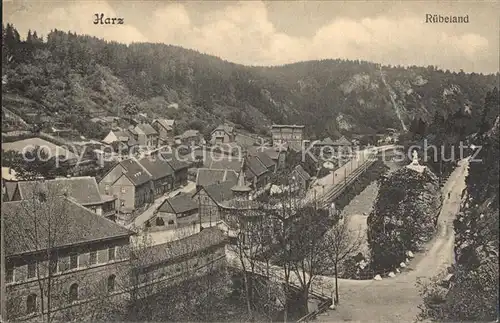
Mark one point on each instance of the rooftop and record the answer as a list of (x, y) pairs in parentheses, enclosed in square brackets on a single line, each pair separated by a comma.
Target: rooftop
[(205, 176), (207, 238), (134, 171), (83, 190), (147, 129), (178, 204), (75, 225), (157, 167)]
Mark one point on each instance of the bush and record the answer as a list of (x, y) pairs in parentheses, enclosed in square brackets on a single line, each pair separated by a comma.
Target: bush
[(404, 215)]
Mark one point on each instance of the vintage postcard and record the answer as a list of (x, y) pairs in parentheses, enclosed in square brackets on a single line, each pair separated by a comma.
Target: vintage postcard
[(250, 161)]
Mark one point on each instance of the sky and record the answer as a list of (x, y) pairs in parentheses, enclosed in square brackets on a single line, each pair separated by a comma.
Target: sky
[(281, 32)]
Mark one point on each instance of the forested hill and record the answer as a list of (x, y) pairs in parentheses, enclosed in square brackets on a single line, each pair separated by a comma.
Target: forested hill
[(71, 78)]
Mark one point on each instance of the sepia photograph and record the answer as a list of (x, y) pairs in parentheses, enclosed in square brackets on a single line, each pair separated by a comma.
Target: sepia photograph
[(250, 161)]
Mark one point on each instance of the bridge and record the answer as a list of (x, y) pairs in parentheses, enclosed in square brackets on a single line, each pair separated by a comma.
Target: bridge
[(327, 188)]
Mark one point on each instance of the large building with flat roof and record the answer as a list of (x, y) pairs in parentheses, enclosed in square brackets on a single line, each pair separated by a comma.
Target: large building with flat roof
[(284, 134)]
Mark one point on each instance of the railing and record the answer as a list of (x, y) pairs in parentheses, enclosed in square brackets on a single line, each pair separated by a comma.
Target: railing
[(323, 307)]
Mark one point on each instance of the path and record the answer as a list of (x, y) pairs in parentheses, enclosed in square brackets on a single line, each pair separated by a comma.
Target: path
[(148, 214), (393, 299), (334, 182)]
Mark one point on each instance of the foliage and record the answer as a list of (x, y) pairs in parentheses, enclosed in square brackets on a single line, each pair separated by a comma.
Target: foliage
[(67, 73), (404, 215), (34, 164), (474, 294)]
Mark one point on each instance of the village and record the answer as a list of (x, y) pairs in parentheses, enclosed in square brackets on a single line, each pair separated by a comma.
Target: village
[(165, 188)]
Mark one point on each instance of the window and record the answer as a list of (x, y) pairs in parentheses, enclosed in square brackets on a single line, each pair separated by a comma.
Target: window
[(73, 293), (31, 269), (54, 267), (106, 188), (93, 257), (73, 261), (9, 277), (111, 253), (123, 190), (122, 202), (171, 222), (111, 283), (159, 222), (31, 304)]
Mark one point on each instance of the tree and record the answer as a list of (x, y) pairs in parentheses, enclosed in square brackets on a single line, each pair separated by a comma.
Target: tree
[(341, 244), (36, 164)]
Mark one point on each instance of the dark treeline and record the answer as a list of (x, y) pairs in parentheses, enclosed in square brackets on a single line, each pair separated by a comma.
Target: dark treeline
[(72, 77)]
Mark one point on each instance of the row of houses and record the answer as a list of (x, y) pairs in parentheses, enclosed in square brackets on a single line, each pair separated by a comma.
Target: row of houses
[(137, 182), (159, 132)]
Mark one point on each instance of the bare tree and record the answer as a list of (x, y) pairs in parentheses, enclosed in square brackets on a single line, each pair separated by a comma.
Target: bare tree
[(42, 226), (341, 243)]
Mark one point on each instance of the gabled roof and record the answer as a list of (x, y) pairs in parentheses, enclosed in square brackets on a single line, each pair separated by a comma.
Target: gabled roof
[(83, 190), (228, 129), (174, 162), (165, 252), (168, 124), (255, 166), (147, 129), (135, 172), (220, 192), (265, 159), (157, 167), (178, 204), (302, 173), (342, 142), (326, 142), (272, 152), (75, 225), (206, 176), (231, 163), (188, 134)]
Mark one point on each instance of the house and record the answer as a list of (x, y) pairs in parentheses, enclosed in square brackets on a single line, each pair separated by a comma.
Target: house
[(207, 176), (282, 134), (120, 136), (175, 212), (161, 172), (256, 172), (264, 159), (277, 155), (301, 178), (223, 134), (81, 252), (165, 129), (189, 137), (227, 149), (83, 190), (145, 135), (210, 198), (131, 183), (230, 162), (342, 146), (180, 168)]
